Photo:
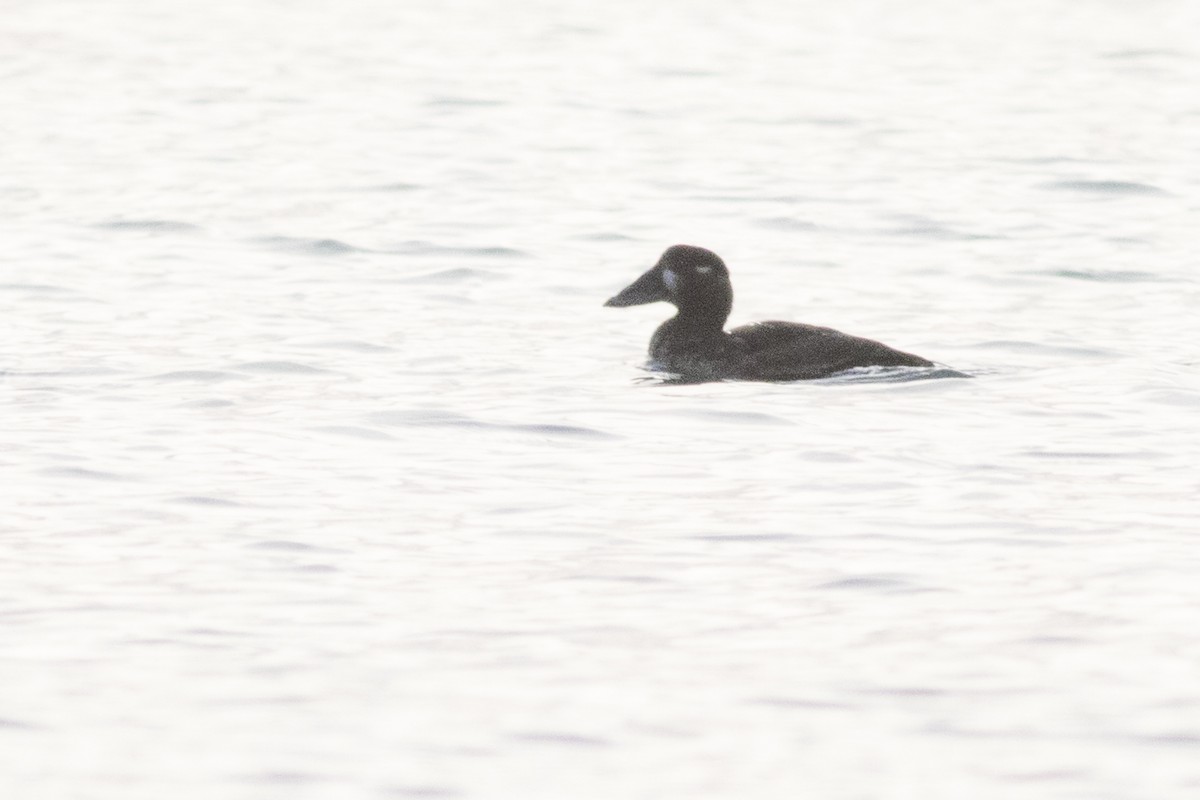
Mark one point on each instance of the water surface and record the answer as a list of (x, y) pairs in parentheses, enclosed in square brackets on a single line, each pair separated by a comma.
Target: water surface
[(327, 474)]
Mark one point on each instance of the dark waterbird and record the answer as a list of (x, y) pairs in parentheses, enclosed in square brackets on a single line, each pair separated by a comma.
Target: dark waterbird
[(695, 345)]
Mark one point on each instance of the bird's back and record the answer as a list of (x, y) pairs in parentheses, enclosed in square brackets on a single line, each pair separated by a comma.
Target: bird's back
[(793, 351)]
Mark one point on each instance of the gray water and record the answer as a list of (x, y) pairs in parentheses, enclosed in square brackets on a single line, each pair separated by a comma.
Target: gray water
[(326, 474)]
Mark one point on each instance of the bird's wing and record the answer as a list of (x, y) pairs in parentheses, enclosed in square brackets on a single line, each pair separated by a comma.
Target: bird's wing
[(793, 351)]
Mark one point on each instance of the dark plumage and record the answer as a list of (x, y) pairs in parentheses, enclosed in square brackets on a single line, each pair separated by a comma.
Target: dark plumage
[(694, 344)]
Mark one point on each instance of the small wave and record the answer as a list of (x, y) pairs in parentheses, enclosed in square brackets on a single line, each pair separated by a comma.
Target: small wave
[(149, 225), (821, 122), (786, 224), (210, 403), (668, 72), (450, 101), (1044, 160), (738, 417), (419, 248), (754, 198), (904, 691), (1106, 187), (555, 737), (392, 187), (16, 724), (827, 457), (205, 500), (425, 417), (289, 778), (38, 288), (637, 579), (892, 375), (81, 372), (285, 544), (1172, 397), (199, 375), (854, 375), (80, 472), (866, 582), (834, 122), (560, 430), (423, 792), (352, 344), (1054, 641), (793, 702), (1088, 455), (940, 232), (1179, 738), (1038, 348), (1045, 776), (315, 247), (450, 419), (353, 431), (924, 227), (1107, 276), (1137, 55), (450, 276), (751, 538), (280, 368), (604, 236)]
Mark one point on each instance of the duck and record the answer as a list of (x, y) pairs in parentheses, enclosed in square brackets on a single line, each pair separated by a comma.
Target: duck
[(695, 346)]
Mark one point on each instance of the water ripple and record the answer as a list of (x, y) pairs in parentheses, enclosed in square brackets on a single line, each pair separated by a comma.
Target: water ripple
[(288, 545), (86, 474), (1038, 348), (313, 247), (150, 226), (450, 276), (451, 101), (423, 792), (422, 248), (748, 537), (787, 224), (205, 501), (859, 375), (867, 582), (1136, 54), (735, 417), (391, 187), (555, 737), (354, 432), (1107, 276), (357, 346), (16, 724), (198, 375), (792, 702), (39, 288), (1106, 187), (280, 368), (449, 419)]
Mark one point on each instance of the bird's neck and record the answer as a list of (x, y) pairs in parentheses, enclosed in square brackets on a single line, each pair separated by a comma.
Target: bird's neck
[(704, 317)]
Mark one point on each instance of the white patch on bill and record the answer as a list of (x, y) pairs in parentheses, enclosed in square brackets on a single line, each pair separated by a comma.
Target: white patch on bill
[(671, 280)]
